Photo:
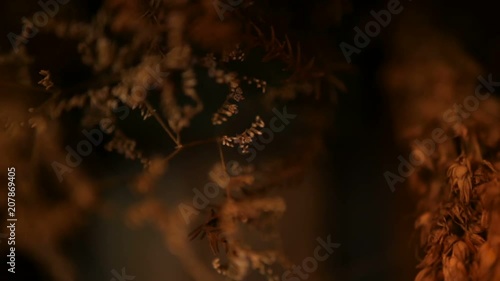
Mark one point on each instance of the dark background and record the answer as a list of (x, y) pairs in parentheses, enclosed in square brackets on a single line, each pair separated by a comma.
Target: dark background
[(353, 203)]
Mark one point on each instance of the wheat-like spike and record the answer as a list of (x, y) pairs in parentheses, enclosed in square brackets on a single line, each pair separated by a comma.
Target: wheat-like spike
[(46, 81), (244, 139), (160, 121)]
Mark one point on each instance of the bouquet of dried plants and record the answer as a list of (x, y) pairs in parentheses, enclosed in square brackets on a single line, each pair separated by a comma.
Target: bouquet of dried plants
[(458, 232), (153, 60)]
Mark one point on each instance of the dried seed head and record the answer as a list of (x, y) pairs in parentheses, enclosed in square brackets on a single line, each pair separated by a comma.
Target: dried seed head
[(460, 179), (46, 81), (244, 139)]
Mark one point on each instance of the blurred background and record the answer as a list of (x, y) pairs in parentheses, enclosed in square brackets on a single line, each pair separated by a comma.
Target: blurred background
[(353, 121)]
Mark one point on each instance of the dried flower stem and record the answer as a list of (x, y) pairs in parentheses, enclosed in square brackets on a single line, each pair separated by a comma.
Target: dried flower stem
[(198, 142), (46, 81), (172, 155), (188, 145), (162, 123), (221, 154)]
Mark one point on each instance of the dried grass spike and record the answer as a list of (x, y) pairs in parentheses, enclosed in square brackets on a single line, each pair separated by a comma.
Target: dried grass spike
[(46, 81)]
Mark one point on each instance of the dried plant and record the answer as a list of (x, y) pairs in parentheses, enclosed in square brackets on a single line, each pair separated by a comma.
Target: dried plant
[(244, 139), (152, 60), (457, 185), (457, 233)]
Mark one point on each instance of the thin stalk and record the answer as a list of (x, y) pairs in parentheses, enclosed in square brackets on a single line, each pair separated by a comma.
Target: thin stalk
[(221, 154), (162, 123)]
